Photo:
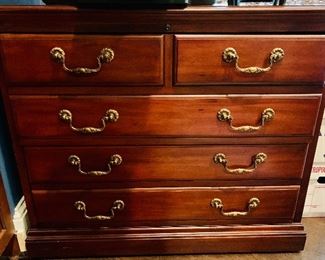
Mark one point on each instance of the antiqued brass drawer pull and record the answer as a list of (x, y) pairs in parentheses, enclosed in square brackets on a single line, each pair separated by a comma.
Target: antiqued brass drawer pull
[(253, 203), (224, 114), (110, 116), (256, 160), (118, 205), (115, 160), (230, 55), (106, 56)]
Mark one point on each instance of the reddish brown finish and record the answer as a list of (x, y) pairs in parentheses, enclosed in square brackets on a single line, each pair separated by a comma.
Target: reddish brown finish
[(202, 19), (199, 59), (168, 89), (171, 240), (155, 121), (137, 59), (165, 116), (131, 140), (187, 244), (49, 165), (165, 206)]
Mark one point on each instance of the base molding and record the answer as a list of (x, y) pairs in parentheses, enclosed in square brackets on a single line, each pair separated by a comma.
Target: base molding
[(165, 240)]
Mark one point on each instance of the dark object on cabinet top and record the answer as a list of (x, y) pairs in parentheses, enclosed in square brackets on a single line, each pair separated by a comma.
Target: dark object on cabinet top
[(121, 3)]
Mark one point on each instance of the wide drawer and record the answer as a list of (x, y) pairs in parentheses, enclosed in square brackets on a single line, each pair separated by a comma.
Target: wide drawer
[(200, 59), (53, 165), (115, 59), (165, 206), (52, 116)]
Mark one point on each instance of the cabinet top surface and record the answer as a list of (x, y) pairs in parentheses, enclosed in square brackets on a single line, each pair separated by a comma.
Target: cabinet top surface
[(201, 19), (197, 9)]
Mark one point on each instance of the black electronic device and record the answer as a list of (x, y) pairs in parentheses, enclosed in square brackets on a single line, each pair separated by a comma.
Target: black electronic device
[(121, 3)]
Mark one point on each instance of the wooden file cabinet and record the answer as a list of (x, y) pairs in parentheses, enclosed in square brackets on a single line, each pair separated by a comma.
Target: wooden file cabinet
[(163, 131)]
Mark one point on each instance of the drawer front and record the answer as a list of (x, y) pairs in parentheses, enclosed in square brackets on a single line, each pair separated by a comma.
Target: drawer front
[(64, 165), (160, 206), (45, 116), (129, 59), (200, 60)]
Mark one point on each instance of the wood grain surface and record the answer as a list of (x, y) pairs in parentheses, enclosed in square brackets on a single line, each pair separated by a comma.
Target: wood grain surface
[(167, 82), (177, 116), (160, 164), (199, 59), (138, 60), (164, 206)]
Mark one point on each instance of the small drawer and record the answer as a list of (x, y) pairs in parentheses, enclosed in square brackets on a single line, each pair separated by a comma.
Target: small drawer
[(165, 206), (80, 60), (76, 165), (211, 59), (174, 116)]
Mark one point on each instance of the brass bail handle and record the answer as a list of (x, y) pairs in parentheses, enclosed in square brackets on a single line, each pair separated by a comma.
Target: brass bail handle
[(115, 160), (111, 116), (118, 205), (224, 114), (257, 159), (253, 203), (106, 55), (230, 55)]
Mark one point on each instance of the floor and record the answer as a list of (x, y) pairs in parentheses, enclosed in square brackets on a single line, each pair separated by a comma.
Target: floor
[(314, 250)]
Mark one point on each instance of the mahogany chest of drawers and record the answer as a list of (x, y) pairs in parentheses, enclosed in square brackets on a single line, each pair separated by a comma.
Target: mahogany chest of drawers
[(163, 131)]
